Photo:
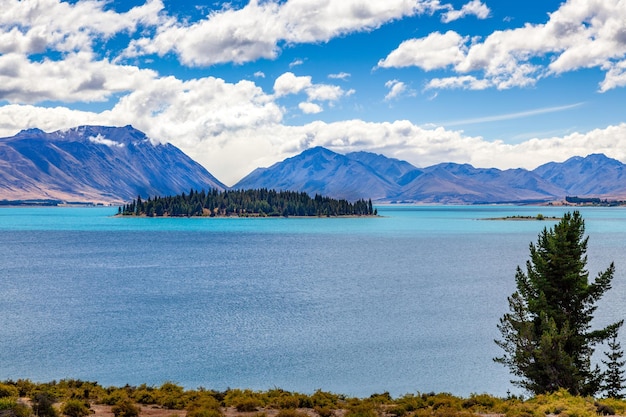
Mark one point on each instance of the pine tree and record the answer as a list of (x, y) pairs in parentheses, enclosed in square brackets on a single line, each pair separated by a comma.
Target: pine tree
[(546, 336), (614, 375)]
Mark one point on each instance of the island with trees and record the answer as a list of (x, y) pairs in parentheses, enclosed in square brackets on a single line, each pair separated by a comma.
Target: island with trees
[(246, 203)]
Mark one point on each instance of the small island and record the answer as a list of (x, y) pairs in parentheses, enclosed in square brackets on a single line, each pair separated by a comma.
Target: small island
[(539, 217), (246, 203)]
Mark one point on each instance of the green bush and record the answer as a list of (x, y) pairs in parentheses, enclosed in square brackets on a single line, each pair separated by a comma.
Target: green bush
[(75, 408), (324, 411), (248, 405), (125, 408), (7, 403), (43, 405), (619, 406), (7, 390), (325, 399), (205, 412), (243, 400), (362, 410), (172, 396), (10, 407), (114, 396)]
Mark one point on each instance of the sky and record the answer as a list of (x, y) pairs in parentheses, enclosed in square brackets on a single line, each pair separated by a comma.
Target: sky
[(244, 84)]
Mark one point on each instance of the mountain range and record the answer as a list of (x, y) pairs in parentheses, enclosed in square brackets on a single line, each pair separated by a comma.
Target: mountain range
[(95, 164), (383, 179), (116, 164)]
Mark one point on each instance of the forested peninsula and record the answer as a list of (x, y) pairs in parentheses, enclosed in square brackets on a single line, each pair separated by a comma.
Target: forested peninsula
[(246, 203)]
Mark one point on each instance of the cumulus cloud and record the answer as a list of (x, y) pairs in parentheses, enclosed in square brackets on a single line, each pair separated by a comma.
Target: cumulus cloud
[(396, 88), (78, 77), (435, 51), (35, 26), (289, 83), (256, 30), (474, 8), (310, 108), (580, 34)]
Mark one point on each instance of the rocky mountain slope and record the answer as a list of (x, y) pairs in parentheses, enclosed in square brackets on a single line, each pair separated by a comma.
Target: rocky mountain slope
[(115, 164), (95, 164), (367, 175)]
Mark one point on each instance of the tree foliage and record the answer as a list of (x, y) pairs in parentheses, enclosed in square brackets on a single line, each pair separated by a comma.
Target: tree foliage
[(261, 202), (546, 336), (614, 375)]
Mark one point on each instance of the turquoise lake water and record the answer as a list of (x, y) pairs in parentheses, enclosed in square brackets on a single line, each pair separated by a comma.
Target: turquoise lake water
[(405, 303)]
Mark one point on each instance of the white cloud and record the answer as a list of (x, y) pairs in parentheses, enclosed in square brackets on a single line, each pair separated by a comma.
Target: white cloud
[(28, 27), (435, 51), (511, 116), (340, 76), (396, 88), (256, 30), (466, 82), (259, 74), (289, 83), (580, 34), (75, 78), (101, 140), (474, 7), (310, 108), (296, 63)]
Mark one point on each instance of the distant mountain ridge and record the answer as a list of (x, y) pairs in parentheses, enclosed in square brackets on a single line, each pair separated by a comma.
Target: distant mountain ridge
[(97, 164), (367, 175), (116, 164)]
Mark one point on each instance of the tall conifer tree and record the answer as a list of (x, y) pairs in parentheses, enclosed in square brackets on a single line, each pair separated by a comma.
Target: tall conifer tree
[(546, 336)]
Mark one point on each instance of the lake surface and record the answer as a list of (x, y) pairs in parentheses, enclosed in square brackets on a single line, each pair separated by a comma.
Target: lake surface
[(405, 303)]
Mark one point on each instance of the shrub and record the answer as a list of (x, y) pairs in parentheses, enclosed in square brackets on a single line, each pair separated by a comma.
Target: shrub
[(125, 408), (7, 403), (444, 400), (114, 397), (43, 405), (25, 387), (248, 405), (481, 402), (362, 410), (205, 412), (204, 405), (324, 411), (170, 395), (605, 410), (325, 399), (10, 407), (75, 408), (243, 401), (619, 406), (7, 390)]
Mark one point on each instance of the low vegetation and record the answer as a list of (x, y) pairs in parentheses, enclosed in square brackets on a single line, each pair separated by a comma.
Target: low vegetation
[(75, 398), (246, 203)]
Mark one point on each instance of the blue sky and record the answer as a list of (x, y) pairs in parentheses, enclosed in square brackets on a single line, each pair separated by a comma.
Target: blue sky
[(240, 84)]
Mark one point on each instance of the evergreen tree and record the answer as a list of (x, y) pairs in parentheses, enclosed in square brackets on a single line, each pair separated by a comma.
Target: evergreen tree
[(614, 376), (546, 336)]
